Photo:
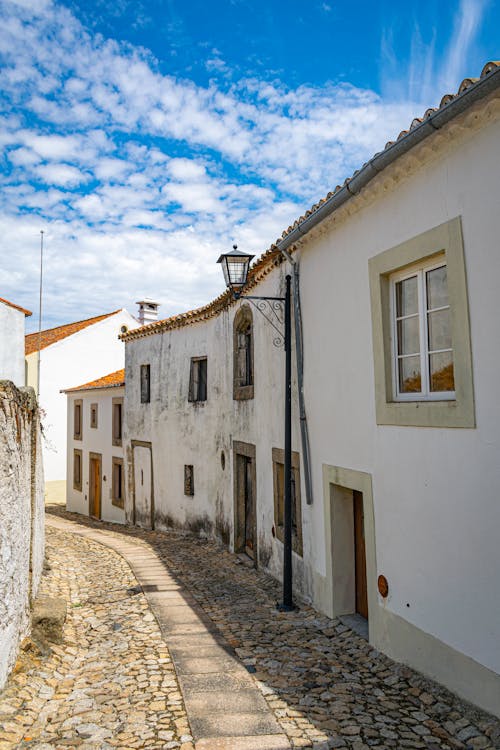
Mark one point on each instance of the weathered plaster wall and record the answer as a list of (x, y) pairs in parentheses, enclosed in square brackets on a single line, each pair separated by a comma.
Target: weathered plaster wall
[(12, 345), (86, 355), (94, 440), (21, 517)]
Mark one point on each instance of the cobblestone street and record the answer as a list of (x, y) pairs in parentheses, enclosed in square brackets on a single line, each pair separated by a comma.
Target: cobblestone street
[(111, 683)]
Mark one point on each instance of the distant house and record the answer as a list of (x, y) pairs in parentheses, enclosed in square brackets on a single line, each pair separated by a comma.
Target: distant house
[(95, 483), (12, 318), (70, 355), (398, 273)]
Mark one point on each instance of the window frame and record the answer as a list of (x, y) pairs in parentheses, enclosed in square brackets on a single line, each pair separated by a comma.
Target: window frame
[(278, 456), (145, 383), (445, 241), (243, 325), (94, 416), (117, 501), (117, 441), (194, 382), (189, 480), (78, 403), (77, 485), (419, 271)]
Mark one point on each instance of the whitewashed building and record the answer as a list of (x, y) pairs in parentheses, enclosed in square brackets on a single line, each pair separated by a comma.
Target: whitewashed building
[(95, 483), (398, 274), (70, 355), (12, 319)]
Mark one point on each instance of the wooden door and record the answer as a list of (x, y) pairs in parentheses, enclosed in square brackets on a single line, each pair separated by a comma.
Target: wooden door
[(360, 555), (95, 475), (143, 487), (249, 506)]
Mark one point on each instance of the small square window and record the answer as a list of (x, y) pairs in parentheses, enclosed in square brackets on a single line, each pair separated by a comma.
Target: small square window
[(93, 415), (117, 490), (279, 498), (198, 379), (77, 470), (188, 480), (145, 384), (117, 421), (77, 420)]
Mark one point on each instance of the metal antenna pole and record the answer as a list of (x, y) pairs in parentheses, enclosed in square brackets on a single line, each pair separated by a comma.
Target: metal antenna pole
[(40, 316)]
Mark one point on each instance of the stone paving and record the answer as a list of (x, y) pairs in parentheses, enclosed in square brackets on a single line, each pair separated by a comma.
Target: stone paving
[(325, 685), (111, 682)]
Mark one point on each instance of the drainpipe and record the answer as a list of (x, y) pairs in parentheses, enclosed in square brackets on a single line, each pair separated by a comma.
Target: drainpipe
[(299, 359)]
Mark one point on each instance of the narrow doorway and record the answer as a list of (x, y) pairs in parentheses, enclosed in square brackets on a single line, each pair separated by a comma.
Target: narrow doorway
[(95, 484), (143, 485), (360, 555), (245, 500)]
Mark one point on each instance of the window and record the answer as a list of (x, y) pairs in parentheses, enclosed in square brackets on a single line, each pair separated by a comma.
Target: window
[(117, 489), (243, 387), (77, 470), (198, 379), (188, 480), (145, 384), (279, 498), (77, 420), (117, 421), (423, 356), (421, 339), (93, 415)]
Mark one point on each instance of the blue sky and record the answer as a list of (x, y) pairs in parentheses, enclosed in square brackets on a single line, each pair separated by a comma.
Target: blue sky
[(145, 138)]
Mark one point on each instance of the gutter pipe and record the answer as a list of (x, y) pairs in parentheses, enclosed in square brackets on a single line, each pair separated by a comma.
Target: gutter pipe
[(476, 91)]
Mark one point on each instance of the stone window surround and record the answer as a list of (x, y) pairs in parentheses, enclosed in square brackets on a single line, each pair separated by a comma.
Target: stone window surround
[(118, 502), (195, 388), (145, 383), (278, 455), (445, 238), (117, 440), (189, 480), (77, 453), (78, 403), (93, 416), (242, 319)]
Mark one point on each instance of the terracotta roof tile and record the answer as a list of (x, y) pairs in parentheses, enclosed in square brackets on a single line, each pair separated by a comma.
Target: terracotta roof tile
[(52, 335), (258, 270), (16, 307), (113, 380)]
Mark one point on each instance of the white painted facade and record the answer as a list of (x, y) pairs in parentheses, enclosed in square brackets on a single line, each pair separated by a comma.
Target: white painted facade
[(67, 363), (99, 442), (12, 321), (430, 494)]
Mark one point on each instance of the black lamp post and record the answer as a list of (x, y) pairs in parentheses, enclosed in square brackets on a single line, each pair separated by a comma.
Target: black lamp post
[(235, 267)]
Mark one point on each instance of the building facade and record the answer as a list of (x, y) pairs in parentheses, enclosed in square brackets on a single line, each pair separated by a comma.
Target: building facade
[(12, 319), (398, 287), (95, 483)]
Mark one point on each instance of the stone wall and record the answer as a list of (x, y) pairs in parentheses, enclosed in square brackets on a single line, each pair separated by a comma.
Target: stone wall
[(21, 517)]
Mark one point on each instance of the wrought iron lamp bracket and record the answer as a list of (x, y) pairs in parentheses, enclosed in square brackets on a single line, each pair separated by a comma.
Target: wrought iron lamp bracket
[(272, 308)]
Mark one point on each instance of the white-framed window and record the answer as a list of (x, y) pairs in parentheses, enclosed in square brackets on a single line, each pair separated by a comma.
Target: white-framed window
[(422, 351)]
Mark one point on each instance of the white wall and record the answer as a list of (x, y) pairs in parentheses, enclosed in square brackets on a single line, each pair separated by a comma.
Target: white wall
[(12, 344), (94, 440), (21, 518), (85, 356)]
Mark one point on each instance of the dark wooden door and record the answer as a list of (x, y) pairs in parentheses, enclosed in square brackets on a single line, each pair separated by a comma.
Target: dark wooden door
[(95, 486), (360, 555), (249, 507)]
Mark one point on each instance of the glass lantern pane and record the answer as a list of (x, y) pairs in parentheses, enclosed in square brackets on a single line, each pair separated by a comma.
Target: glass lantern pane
[(441, 372), (237, 271), (408, 336), (438, 325), (407, 297), (437, 288), (410, 380)]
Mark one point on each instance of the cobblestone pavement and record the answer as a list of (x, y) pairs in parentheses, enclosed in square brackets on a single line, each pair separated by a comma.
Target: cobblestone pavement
[(327, 686), (111, 682)]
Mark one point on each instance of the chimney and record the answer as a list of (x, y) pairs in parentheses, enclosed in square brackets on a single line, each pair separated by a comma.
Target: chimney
[(148, 311)]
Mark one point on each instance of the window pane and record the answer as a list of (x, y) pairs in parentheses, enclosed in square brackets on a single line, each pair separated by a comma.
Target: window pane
[(437, 288), (439, 330), (408, 336), (406, 297), (441, 372), (409, 375)]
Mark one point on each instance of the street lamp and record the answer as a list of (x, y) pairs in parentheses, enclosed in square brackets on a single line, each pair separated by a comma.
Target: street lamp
[(235, 267)]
